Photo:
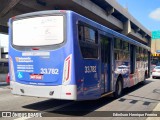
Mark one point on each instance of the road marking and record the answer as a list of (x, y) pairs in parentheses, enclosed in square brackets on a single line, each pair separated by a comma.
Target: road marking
[(157, 108), (47, 110)]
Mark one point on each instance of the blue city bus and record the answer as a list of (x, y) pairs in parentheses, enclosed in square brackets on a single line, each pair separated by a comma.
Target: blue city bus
[(63, 55)]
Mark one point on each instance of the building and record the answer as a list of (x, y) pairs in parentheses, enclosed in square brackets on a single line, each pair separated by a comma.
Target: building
[(3, 45), (155, 43), (106, 12), (155, 48)]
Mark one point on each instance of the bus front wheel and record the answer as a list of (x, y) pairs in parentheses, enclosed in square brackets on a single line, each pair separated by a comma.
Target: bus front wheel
[(119, 88)]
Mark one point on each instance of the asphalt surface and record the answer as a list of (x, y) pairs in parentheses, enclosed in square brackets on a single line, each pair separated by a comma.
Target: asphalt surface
[(2, 77), (138, 98)]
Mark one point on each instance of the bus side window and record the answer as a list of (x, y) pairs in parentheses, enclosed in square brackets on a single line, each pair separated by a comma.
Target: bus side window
[(80, 32), (132, 58), (88, 42)]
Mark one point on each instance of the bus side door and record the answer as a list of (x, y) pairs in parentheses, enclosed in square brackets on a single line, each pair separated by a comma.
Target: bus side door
[(105, 63)]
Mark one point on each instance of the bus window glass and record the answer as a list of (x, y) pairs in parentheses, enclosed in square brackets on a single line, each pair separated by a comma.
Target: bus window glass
[(89, 52), (38, 31), (88, 42), (145, 55), (90, 34), (116, 55), (125, 46), (137, 50), (117, 43), (80, 32)]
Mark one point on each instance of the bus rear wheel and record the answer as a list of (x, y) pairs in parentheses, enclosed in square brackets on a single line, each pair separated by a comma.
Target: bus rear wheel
[(119, 88)]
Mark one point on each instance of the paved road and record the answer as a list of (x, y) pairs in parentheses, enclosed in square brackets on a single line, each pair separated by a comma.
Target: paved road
[(2, 77), (138, 98)]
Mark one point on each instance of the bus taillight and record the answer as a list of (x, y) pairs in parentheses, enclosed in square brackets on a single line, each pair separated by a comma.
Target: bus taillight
[(68, 93), (154, 70), (67, 70), (11, 67), (35, 48)]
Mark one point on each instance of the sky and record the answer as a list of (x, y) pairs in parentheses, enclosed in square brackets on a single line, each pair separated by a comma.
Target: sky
[(147, 12), (3, 40)]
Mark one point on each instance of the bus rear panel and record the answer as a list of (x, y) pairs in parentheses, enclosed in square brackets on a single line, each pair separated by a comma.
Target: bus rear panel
[(41, 55)]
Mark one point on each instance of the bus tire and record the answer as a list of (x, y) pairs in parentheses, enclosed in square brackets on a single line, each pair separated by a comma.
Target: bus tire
[(118, 88)]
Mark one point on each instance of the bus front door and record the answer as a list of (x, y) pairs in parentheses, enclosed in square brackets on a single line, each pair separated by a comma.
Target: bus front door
[(105, 63)]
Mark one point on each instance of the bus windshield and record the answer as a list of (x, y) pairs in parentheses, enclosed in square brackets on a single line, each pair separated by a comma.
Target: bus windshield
[(38, 31)]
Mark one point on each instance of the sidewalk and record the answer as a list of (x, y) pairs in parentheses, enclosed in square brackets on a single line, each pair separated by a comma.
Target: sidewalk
[(157, 108)]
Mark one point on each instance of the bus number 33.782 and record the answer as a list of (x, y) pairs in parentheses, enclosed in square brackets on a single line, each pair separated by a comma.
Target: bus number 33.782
[(49, 71), (90, 69)]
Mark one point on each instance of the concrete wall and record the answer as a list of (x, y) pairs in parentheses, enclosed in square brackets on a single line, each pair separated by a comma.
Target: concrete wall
[(3, 77), (3, 45), (155, 45)]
